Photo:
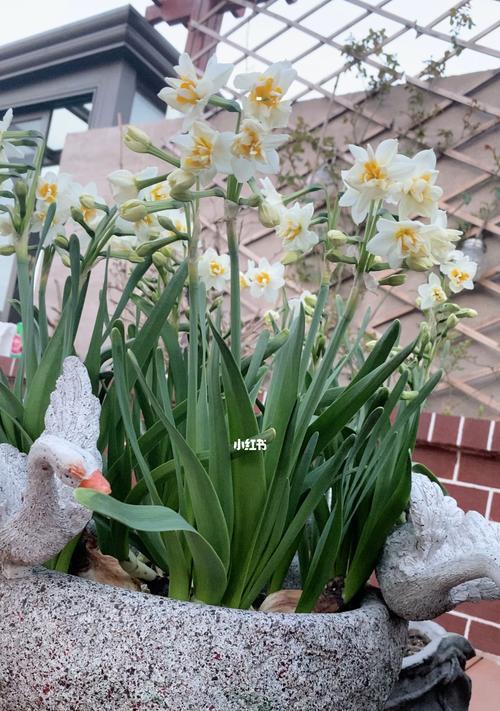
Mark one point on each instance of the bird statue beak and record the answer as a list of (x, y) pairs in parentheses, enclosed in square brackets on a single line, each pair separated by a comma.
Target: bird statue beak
[(97, 482)]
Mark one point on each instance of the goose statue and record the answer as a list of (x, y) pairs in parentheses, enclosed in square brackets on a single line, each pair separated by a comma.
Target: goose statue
[(38, 513)]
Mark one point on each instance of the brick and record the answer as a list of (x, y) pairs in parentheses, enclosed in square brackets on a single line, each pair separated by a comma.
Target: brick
[(446, 430), (480, 470), (439, 461), (423, 426), (484, 637), (452, 623), (495, 442), (485, 610), (468, 499), (495, 508), (475, 434)]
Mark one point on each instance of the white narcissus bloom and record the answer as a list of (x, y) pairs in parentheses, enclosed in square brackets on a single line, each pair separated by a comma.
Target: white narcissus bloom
[(460, 271), (396, 241), (440, 237), (190, 93), (374, 176), (265, 279), (204, 151), (214, 269), (417, 194), (306, 300), (124, 183), (432, 293), (294, 229), (7, 149), (54, 188), (251, 151), (265, 100), (271, 206)]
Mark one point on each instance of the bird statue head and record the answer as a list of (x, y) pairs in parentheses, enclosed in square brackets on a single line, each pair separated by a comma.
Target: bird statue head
[(71, 464)]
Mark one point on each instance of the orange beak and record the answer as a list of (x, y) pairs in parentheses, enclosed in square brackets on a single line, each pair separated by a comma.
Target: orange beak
[(97, 482)]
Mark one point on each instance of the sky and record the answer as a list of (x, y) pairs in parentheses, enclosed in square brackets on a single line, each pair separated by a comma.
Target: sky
[(27, 17)]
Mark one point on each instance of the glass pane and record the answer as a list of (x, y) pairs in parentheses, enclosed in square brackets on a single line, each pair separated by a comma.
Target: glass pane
[(62, 122), (143, 110)]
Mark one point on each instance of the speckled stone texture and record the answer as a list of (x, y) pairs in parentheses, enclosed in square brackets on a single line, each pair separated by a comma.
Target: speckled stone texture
[(69, 644)]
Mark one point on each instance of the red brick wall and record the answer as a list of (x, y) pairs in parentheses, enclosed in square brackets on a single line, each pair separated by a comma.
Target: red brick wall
[(465, 454)]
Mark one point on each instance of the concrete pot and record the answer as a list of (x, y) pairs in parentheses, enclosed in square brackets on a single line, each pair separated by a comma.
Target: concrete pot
[(69, 643), (434, 678)]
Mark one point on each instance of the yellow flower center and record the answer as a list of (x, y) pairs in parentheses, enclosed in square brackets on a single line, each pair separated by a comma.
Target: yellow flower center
[(216, 268), (160, 192), (291, 231), (372, 171), (438, 294), (408, 238), (243, 281), (263, 278), (248, 145), (458, 275), (186, 93), (267, 93), (48, 192), (200, 156), (88, 213)]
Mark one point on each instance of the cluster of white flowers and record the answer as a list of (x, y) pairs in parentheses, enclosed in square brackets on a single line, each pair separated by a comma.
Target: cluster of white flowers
[(384, 176)]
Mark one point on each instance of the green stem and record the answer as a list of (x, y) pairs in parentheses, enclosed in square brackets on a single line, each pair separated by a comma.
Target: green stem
[(231, 212), (193, 285)]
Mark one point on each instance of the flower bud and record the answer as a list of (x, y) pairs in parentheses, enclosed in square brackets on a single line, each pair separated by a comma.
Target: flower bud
[(76, 214), (393, 280), (336, 236), (334, 256), (310, 300), (290, 257), (133, 210), (409, 394), (6, 250), (137, 140), (466, 313), (179, 181), (269, 215), (451, 321), (159, 260), (61, 241), (419, 263), (87, 201), (20, 189)]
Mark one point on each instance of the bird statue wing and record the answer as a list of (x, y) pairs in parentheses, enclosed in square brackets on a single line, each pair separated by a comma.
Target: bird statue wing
[(13, 469), (73, 412)]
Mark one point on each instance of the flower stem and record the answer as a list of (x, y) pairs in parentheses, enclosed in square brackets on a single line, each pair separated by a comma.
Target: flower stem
[(193, 286), (231, 212)]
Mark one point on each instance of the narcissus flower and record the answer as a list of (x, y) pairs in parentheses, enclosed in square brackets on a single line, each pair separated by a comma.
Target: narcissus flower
[(294, 227), (265, 100), (190, 93), (396, 241), (374, 176), (124, 185), (7, 149), (440, 237), (460, 271), (252, 150), (271, 207), (204, 151), (418, 194), (265, 279), (431, 294), (214, 269)]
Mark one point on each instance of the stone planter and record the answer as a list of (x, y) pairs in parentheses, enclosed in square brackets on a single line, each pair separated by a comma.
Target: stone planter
[(433, 678), (69, 643)]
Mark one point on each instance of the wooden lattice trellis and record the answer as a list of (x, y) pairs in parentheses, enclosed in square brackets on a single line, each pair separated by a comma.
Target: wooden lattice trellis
[(448, 102)]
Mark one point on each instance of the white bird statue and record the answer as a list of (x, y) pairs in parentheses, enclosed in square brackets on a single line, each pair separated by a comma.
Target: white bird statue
[(38, 513), (440, 557)]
